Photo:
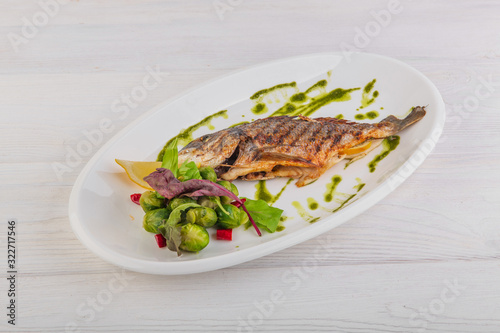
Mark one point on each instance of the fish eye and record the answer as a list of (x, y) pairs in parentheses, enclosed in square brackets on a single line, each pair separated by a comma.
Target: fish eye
[(204, 138)]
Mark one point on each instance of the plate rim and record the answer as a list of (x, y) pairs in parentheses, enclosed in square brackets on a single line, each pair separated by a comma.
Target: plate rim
[(259, 250)]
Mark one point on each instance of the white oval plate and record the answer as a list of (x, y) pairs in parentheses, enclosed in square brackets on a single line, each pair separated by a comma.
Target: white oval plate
[(109, 224)]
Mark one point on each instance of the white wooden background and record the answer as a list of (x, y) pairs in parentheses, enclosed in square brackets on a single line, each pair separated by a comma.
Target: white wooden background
[(425, 259)]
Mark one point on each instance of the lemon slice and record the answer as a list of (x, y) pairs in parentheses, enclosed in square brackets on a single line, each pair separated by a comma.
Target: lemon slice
[(136, 170), (358, 149)]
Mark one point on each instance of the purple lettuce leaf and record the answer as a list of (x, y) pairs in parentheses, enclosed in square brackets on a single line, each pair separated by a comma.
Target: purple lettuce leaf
[(166, 184)]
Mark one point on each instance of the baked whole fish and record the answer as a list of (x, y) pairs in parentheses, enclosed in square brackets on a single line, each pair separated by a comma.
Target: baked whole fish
[(294, 147)]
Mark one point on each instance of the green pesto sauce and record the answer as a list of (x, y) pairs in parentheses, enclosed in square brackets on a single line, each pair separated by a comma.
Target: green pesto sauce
[(369, 86), (263, 193), (313, 204), (330, 188), (389, 144), (366, 97), (186, 135), (358, 188), (259, 108), (339, 116), (360, 185), (300, 97), (281, 227), (320, 85), (344, 203), (302, 212), (264, 92), (369, 115), (349, 163), (240, 123), (336, 95)]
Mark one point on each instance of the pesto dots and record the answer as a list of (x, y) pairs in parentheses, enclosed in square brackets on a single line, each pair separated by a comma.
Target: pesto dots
[(331, 187), (368, 115), (259, 108), (313, 204)]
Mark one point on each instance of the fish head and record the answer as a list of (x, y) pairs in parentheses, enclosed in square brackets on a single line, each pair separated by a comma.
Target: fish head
[(210, 149)]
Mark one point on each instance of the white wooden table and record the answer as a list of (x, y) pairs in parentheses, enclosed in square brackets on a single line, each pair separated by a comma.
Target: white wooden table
[(425, 259)]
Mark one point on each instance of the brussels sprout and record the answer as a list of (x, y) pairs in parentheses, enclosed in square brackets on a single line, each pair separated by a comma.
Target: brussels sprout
[(155, 218), (150, 201), (194, 238), (204, 216), (231, 220), (176, 202), (210, 202), (229, 186), (208, 173)]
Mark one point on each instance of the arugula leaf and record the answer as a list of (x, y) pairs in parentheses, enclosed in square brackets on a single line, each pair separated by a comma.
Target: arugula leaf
[(171, 158), (187, 171), (265, 216)]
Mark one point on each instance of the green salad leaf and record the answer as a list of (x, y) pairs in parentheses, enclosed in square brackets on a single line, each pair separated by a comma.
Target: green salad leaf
[(171, 158), (265, 216), (187, 171), (172, 236), (171, 229)]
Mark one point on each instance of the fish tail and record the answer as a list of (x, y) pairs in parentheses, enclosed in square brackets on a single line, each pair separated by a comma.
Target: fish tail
[(395, 125)]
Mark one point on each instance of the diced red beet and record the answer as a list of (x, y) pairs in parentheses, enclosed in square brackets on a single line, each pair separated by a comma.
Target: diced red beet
[(238, 204), (135, 198), (160, 240), (225, 234)]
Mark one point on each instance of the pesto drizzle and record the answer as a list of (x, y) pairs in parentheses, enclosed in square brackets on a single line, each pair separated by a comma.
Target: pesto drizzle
[(389, 144), (261, 93), (331, 187), (240, 123), (358, 188), (263, 193), (366, 97), (302, 212), (185, 136), (299, 108)]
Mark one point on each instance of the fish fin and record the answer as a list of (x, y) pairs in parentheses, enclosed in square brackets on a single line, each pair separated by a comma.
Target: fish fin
[(285, 159), (305, 118), (396, 125)]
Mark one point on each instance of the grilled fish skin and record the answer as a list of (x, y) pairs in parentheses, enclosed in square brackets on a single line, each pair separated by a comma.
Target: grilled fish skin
[(295, 147)]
